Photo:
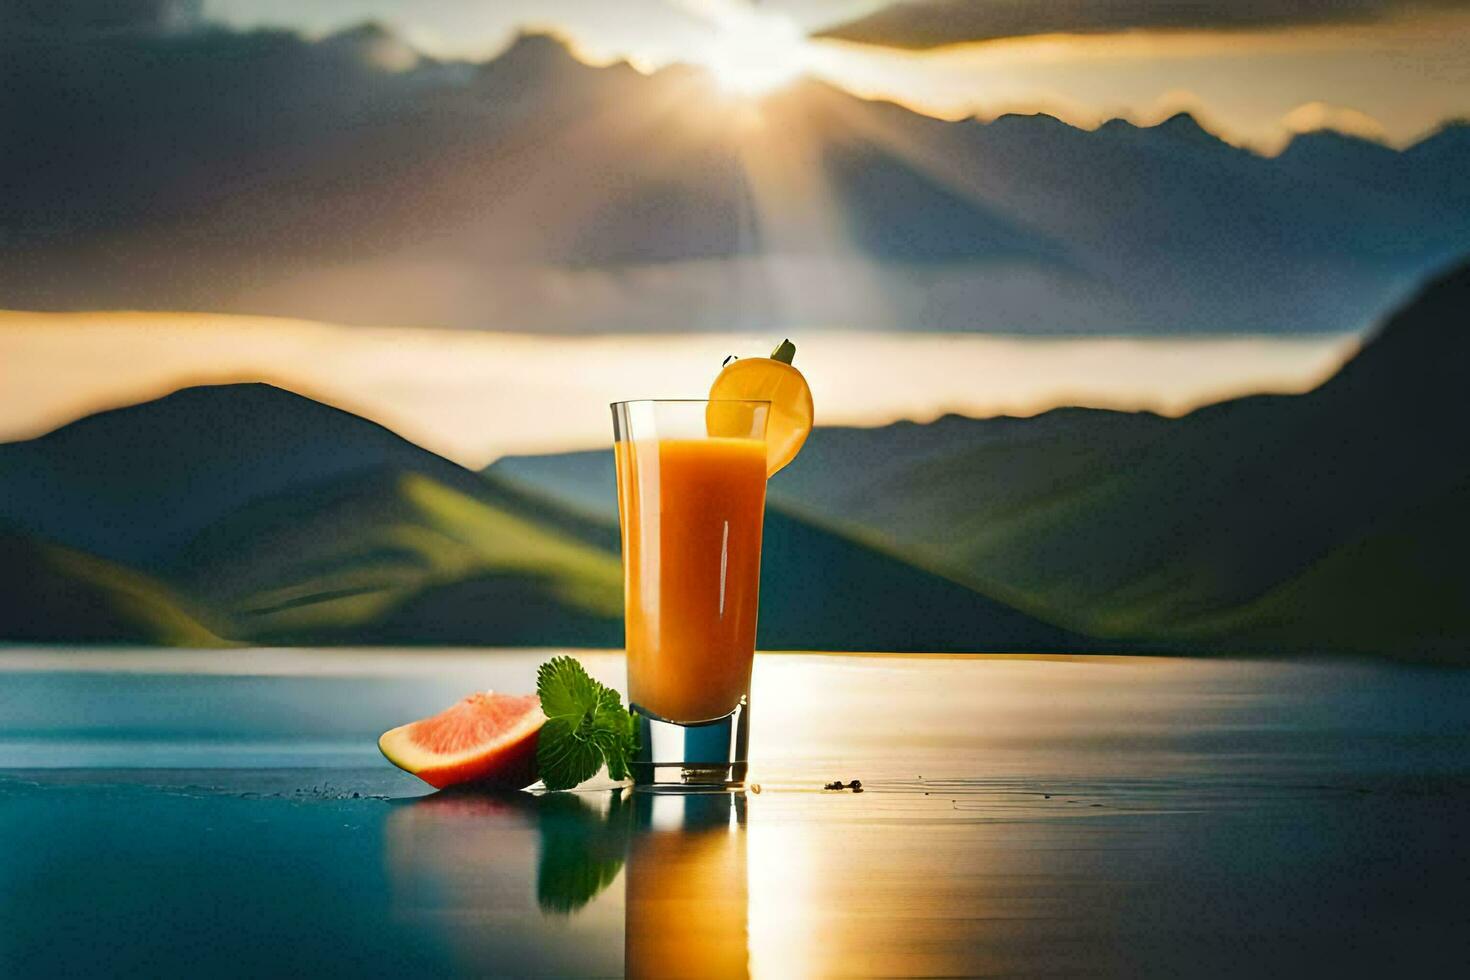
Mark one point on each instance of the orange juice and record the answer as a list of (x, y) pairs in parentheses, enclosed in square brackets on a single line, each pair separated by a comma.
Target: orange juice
[(691, 524)]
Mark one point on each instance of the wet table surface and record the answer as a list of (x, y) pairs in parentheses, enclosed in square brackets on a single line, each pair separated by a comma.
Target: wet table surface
[(226, 813)]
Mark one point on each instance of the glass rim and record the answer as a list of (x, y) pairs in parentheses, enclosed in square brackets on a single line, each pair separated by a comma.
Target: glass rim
[(690, 401)]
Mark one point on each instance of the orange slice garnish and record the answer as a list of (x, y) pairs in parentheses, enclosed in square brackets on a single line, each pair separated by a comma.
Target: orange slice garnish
[(770, 379)]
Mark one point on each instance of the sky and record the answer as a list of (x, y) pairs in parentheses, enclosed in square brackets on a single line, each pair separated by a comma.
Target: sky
[(476, 395), (1254, 70)]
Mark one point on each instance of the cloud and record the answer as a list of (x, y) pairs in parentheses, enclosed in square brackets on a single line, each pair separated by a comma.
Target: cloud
[(923, 24), (1313, 116)]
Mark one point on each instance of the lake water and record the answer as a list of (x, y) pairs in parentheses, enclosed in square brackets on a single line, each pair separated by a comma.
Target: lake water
[(171, 812)]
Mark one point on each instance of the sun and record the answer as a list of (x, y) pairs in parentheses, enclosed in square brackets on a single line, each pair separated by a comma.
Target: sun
[(751, 52)]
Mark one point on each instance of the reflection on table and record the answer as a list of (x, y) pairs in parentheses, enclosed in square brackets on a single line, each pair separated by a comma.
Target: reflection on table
[(687, 896), (461, 862)]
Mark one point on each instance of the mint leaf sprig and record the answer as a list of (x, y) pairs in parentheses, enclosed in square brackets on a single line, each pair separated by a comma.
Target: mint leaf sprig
[(586, 726)]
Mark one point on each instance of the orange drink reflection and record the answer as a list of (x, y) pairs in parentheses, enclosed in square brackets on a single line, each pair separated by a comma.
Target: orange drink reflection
[(687, 899)]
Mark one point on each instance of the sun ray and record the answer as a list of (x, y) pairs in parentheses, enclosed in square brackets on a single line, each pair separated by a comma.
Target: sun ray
[(806, 245)]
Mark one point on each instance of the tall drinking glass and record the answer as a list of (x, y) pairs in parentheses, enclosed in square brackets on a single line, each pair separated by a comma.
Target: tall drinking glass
[(691, 498)]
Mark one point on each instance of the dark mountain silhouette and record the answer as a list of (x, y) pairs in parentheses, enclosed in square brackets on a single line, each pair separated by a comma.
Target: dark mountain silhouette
[(280, 515), (1330, 521), (292, 522), (352, 179), (1182, 128), (1327, 151), (1450, 144), (137, 483)]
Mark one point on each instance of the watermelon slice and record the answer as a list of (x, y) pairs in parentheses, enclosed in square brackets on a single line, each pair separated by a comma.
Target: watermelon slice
[(488, 739)]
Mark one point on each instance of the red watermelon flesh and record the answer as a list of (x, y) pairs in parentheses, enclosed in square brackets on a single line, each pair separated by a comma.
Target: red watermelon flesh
[(488, 739)]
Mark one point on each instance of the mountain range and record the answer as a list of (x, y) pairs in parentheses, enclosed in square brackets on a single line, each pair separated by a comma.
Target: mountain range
[(1329, 522), (246, 513), (350, 178), (1336, 520)]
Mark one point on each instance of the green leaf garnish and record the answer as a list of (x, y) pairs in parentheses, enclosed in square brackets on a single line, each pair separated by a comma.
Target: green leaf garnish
[(565, 689), (586, 726)]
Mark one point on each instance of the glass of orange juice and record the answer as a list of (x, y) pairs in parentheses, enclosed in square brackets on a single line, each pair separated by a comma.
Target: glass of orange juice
[(691, 498)]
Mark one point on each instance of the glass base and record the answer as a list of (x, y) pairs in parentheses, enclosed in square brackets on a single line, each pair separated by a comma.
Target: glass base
[(682, 758)]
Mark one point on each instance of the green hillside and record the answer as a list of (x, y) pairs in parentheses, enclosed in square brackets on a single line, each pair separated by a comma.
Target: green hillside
[(1407, 574), (349, 561), (402, 559), (57, 595)]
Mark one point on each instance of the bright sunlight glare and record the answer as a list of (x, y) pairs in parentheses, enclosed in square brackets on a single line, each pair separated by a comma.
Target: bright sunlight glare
[(750, 52)]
